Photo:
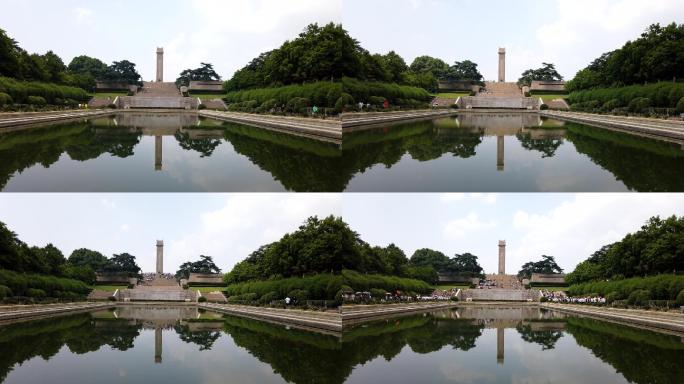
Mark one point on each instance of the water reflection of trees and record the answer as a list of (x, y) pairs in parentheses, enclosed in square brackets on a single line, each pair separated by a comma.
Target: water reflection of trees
[(205, 146), (640, 356), (642, 164), (23, 149), (546, 145), (205, 339), (547, 338), (317, 358), (44, 338)]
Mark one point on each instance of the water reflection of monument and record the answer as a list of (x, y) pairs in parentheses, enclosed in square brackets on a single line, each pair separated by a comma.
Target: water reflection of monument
[(508, 124), (502, 317), (160, 124), (164, 318)]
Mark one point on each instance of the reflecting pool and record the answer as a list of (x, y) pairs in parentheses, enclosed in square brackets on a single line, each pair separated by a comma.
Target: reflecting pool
[(159, 152), (518, 344)]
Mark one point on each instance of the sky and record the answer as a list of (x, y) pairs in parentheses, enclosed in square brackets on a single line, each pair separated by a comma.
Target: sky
[(569, 33), (230, 226)]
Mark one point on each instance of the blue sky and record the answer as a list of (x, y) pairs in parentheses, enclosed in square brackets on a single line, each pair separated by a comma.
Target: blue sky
[(230, 226), (228, 34)]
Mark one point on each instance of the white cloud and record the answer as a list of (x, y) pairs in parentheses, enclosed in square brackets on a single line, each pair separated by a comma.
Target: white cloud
[(470, 223), (576, 228), (487, 198), (584, 29), (125, 227), (248, 221), (231, 33), (83, 15)]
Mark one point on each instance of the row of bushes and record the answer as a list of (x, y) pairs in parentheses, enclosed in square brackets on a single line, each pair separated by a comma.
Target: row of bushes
[(660, 287), (659, 95), (32, 285), (339, 96), (322, 287), (31, 92)]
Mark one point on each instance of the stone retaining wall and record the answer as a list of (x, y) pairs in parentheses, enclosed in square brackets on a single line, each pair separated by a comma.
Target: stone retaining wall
[(471, 102)]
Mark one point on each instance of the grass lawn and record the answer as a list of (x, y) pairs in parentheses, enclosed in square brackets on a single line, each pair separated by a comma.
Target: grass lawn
[(108, 94), (451, 95), (110, 288), (209, 289), (551, 96), (208, 96), (449, 286)]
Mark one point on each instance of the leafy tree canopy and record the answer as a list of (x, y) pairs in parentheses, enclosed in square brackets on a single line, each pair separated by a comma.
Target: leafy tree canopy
[(205, 72), (204, 265), (546, 73), (546, 265)]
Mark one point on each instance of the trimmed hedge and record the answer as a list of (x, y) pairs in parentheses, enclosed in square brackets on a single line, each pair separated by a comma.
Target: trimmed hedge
[(5, 99), (322, 286), (661, 95), (395, 93), (20, 91), (322, 94), (680, 105), (661, 287), (27, 284)]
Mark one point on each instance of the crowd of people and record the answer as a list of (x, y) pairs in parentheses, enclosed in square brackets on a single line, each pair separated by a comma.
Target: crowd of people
[(561, 297)]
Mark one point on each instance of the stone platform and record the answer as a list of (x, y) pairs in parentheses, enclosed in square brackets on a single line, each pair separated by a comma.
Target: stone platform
[(496, 294)]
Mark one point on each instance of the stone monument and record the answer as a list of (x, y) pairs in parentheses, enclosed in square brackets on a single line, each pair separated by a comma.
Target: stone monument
[(502, 65), (502, 257), (160, 257), (160, 65)]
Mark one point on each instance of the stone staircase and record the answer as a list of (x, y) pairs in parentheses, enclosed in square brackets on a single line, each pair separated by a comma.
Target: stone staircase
[(505, 281), (98, 295), (500, 294), (152, 89), (493, 89), (214, 297), (142, 293)]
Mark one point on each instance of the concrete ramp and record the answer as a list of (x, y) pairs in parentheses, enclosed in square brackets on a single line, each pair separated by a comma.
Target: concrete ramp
[(501, 294)]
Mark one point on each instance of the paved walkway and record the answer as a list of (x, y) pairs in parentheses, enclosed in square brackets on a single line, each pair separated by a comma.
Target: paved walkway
[(670, 129), (22, 119), (25, 312), (669, 321)]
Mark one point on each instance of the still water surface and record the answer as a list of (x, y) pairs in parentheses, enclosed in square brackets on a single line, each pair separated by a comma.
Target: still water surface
[(464, 345), (181, 152)]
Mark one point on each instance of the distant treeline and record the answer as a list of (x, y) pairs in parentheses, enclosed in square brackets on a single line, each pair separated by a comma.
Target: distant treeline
[(329, 53), (654, 249), (653, 57), (82, 71)]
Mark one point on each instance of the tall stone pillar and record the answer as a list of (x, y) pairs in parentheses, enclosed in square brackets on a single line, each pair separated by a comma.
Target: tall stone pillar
[(502, 257), (160, 257), (160, 65), (157, 153), (500, 345), (502, 65), (157, 344), (499, 153)]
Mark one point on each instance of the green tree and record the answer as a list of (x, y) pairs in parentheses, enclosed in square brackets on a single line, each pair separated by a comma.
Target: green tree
[(9, 55), (123, 263), (393, 258), (547, 72), (429, 65), (204, 265), (205, 72), (123, 71), (54, 66), (465, 264), (546, 265), (396, 66), (84, 257), (464, 71), (426, 257)]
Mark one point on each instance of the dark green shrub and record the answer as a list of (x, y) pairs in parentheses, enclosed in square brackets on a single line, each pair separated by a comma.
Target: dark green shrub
[(527, 94), (662, 95), (5, 291), (33, 292), (202, 299), (612, 296), (376, 101), (543, 299), (269, 104), (19, 283), (472, 93), (377, 293), (639, 298), (543, 107), (297, 104), (453, 298), (111, 298), (639, 105), (344, 102), (680, 105), (299, 295), (36, 100), (5, 99), (611, 105), (111, 106), (680, 297), (201, 107), (268, 298)]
